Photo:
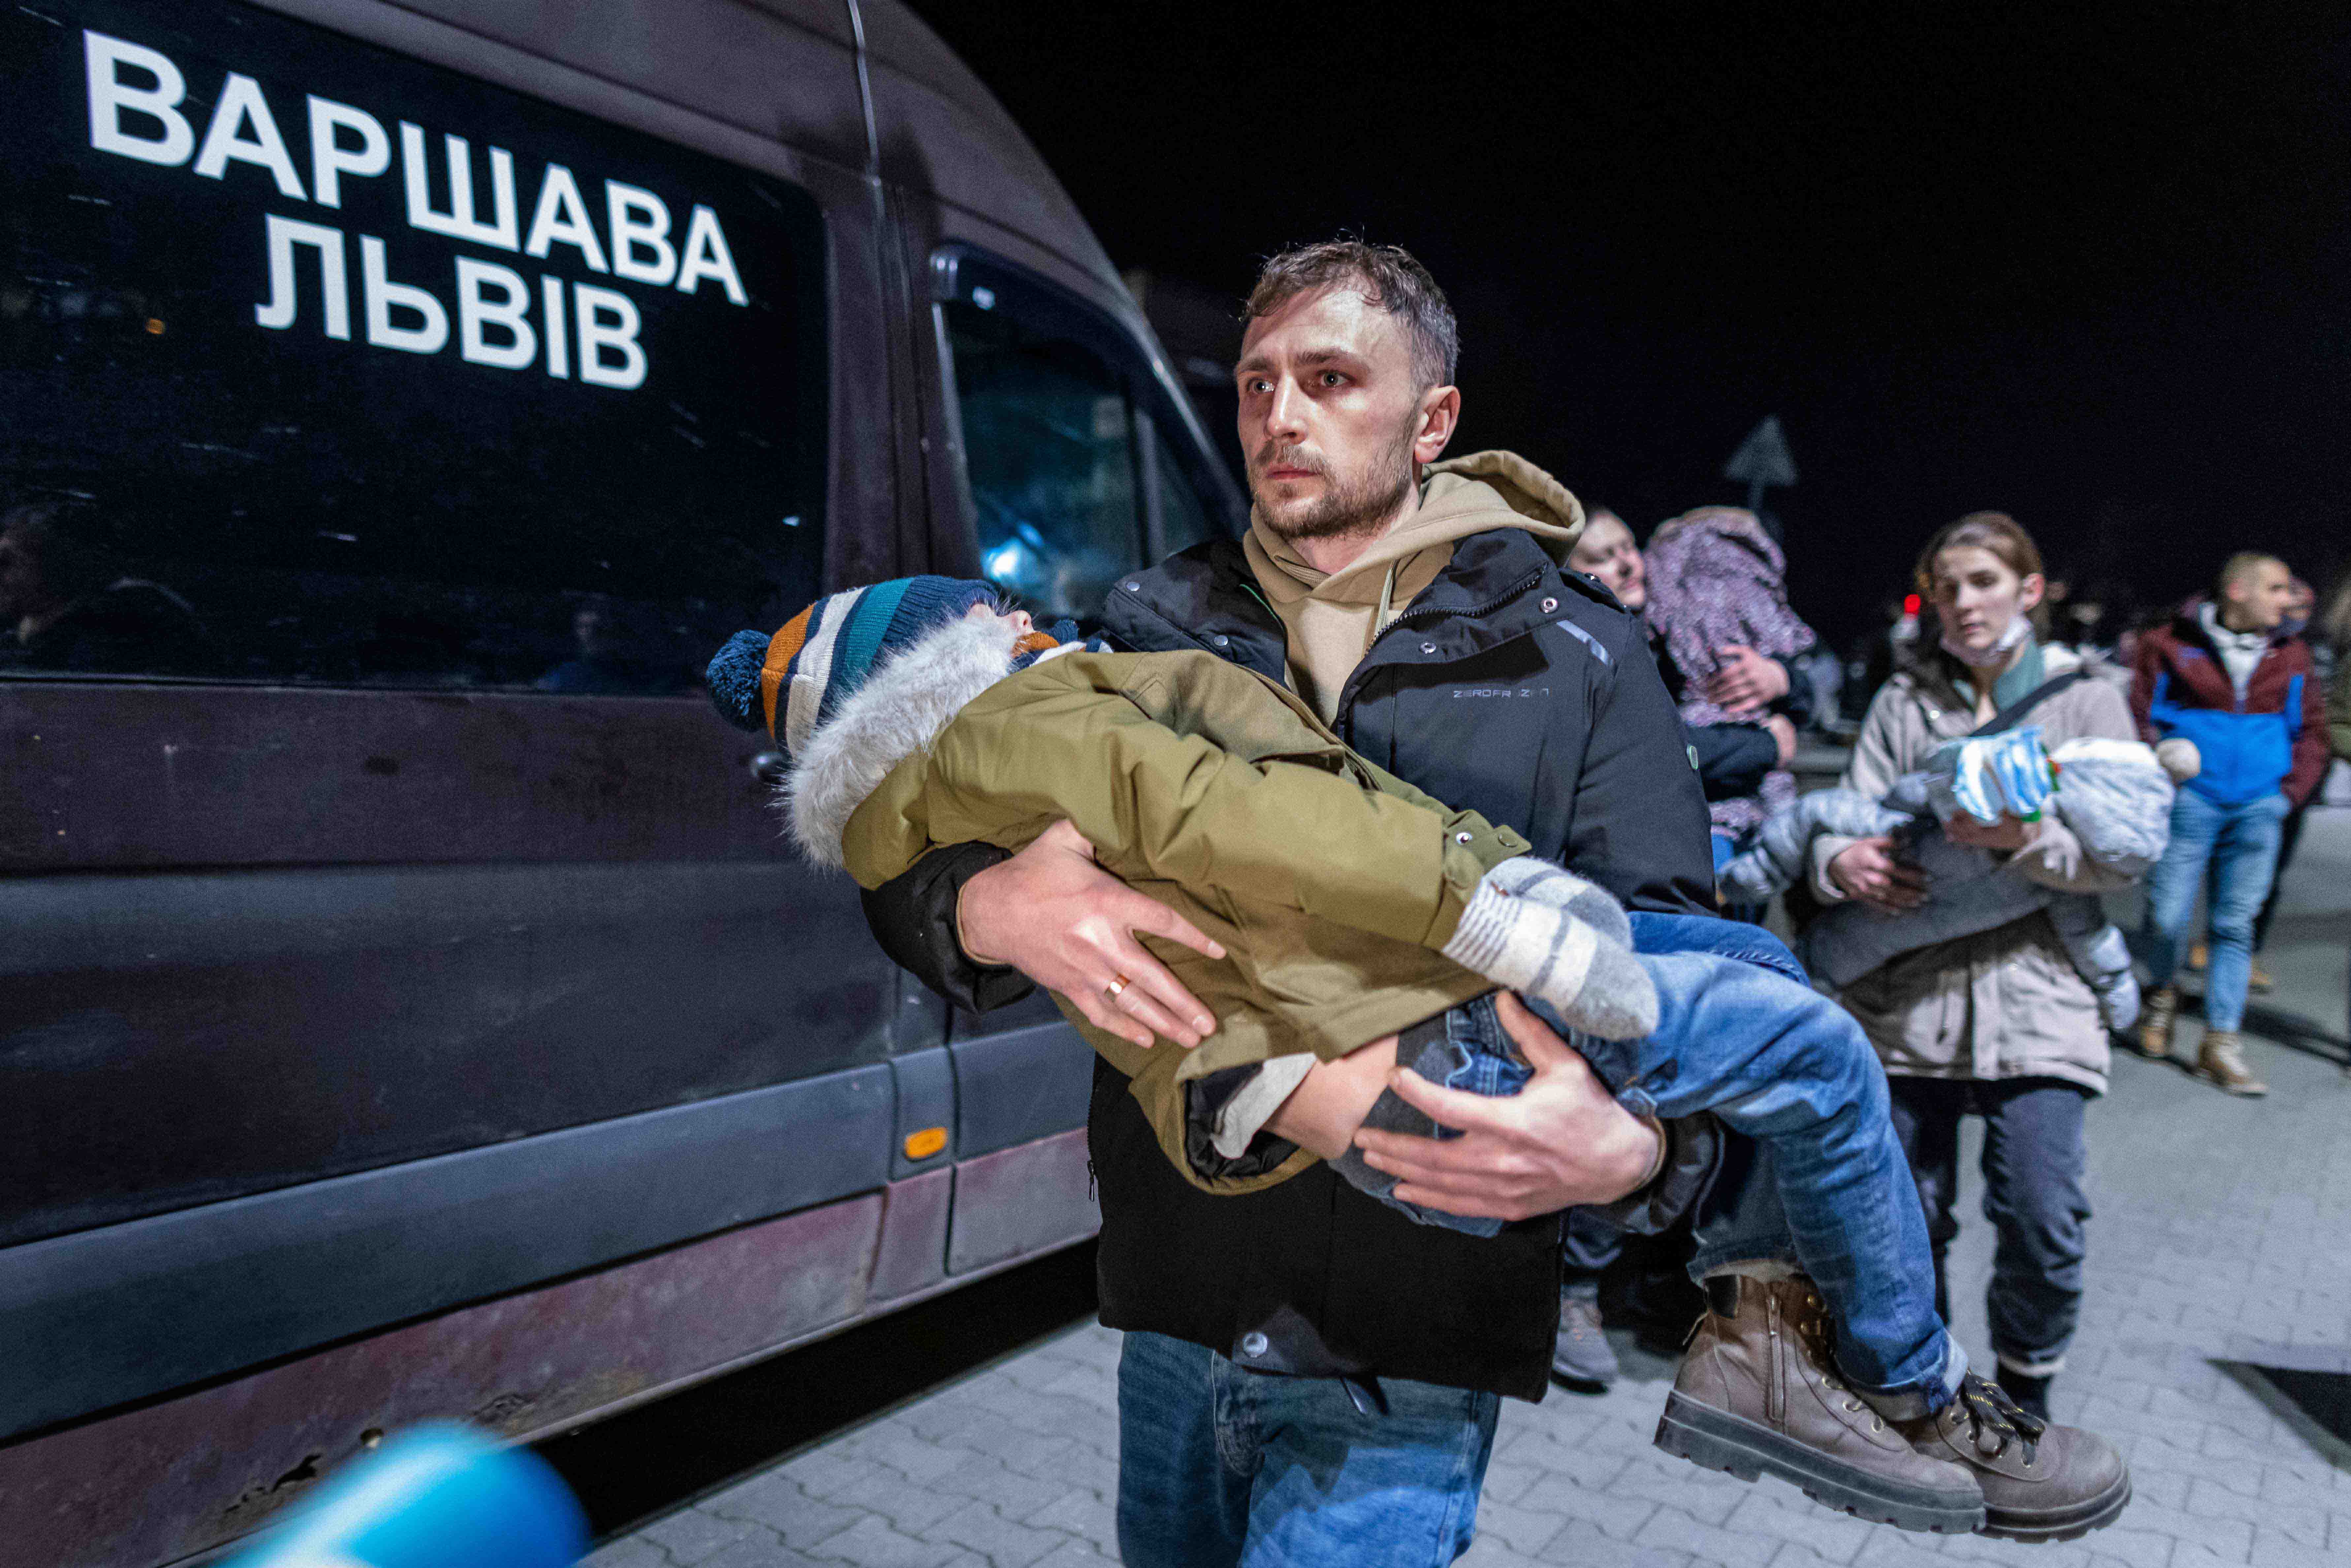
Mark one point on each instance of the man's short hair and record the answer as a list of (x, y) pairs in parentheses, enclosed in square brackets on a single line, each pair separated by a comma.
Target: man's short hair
[(2238, 566), (1387, 277)]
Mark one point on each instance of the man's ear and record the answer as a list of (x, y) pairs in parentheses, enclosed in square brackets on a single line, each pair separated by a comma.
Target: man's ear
[(1440, 412)]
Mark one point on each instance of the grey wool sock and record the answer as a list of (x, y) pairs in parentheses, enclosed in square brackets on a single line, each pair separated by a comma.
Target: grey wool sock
[(1532, 877), (1596, 983)]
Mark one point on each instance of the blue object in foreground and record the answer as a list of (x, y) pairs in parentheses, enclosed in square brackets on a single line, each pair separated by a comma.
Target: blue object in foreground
[(436, 1496)]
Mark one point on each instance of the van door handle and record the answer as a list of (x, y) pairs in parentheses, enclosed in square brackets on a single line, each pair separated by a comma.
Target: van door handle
[(771, 768)]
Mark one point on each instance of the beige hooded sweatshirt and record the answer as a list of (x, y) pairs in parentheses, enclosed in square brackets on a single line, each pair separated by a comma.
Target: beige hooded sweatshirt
[(1333, 618)]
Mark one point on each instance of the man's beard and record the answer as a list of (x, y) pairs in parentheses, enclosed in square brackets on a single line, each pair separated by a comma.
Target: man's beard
[(1360, 505)]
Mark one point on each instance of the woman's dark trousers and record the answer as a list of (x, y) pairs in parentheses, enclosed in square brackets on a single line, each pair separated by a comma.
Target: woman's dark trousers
[(2034, 1162)]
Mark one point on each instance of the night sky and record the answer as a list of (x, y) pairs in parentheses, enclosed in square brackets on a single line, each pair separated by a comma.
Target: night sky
[(2094, 270)]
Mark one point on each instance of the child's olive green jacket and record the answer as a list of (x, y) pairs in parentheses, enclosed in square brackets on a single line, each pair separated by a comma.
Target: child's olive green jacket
[(1330, 882)]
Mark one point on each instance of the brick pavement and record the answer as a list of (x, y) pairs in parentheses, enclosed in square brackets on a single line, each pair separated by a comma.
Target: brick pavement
[(2219, 1237)]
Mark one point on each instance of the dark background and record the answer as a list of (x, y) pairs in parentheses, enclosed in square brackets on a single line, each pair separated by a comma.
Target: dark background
[(2087, 269)]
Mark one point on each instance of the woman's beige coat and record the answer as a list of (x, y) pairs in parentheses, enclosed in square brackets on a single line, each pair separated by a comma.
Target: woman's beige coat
[(2004, 1003)]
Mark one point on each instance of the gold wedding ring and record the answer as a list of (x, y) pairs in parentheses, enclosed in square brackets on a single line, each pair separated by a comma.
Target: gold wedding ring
[(1117, 984)]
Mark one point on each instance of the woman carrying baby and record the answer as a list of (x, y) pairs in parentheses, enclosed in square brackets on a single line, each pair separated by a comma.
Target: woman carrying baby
[(1999, 1024)]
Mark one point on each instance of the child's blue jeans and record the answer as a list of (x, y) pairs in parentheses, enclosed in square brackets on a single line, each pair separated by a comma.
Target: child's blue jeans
[(1823, 1186)]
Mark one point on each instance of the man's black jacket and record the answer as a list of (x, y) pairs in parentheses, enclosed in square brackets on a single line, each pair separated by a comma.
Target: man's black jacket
[(1509, 687)]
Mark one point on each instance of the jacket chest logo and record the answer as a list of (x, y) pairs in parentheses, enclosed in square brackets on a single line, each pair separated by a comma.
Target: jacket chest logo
[(1464, 693)]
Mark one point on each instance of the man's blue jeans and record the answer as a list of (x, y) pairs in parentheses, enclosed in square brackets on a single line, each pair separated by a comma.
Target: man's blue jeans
[(2240, 843), (1220, 1466)]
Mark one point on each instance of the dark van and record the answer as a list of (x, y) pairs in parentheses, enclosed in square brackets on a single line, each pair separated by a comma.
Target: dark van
[(407, 1005)]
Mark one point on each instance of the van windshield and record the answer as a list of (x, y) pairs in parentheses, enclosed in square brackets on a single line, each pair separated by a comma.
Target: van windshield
[(319, 364)]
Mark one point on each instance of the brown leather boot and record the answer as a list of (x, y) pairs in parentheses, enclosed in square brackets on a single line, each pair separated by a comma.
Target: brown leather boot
[(2040, 1482), (1756, 1396), (2155, 1021), (2221, 1058)]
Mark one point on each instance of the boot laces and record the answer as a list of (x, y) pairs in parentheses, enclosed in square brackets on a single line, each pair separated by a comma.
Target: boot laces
[(1814, 1331), (1985, 1406)]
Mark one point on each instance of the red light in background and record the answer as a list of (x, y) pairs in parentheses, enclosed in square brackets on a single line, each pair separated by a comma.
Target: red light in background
[(1910, 604)]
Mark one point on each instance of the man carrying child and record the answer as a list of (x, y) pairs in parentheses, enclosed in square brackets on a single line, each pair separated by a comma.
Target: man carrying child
[(1308, 1329)]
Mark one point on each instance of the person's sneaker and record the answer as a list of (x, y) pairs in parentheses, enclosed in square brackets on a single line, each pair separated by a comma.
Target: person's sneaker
[(2039, 1482), (1581, 1357), (1756, 1396), (2157, 1014), (2221, 1058), (2261, 980)]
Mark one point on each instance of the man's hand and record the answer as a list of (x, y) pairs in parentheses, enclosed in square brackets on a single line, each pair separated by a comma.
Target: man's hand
[(1748, 681), (1561, 1141), (1867, 871), (2008, 833), (1052, 913)]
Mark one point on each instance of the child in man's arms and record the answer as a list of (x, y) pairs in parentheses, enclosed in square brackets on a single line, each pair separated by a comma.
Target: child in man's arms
[(1354, 911)]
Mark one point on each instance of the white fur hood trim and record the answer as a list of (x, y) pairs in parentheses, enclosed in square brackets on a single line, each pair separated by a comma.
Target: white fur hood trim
[(899, 711)]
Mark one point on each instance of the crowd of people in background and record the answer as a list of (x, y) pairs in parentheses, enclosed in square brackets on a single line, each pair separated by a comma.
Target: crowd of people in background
[(2235, 690)]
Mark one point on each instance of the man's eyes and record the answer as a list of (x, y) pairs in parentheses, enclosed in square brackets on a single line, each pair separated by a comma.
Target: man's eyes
[(1258, 386)]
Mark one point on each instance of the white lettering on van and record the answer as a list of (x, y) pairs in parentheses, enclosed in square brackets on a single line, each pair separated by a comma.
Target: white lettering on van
[(562, 216), (331, 160), (109, 96), (559, 347), (608, 320), (509, 314), (334, 285), (138, 99), (461, 221), (241, 105), (706, 256), (639, 219), (382, 296)]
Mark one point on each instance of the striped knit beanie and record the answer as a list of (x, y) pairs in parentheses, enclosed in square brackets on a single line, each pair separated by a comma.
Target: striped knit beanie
[(791, 680)]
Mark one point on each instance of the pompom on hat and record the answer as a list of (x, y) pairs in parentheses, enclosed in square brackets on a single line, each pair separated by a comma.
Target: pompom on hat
[(791, 680)]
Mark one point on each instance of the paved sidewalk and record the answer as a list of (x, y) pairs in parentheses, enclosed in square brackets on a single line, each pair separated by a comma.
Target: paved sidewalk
[(2222, 1235)]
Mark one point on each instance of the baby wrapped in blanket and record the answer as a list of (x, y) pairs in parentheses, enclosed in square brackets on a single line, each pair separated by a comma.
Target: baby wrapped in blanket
[(2114, 794)]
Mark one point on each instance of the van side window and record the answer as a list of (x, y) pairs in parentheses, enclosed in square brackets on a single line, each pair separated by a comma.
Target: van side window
[(319, 364), (1049, 449), (1078, 463)]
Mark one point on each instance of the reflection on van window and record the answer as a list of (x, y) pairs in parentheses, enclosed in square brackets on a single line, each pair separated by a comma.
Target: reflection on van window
[(67, 606), (320, 364), (1048, 444)]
